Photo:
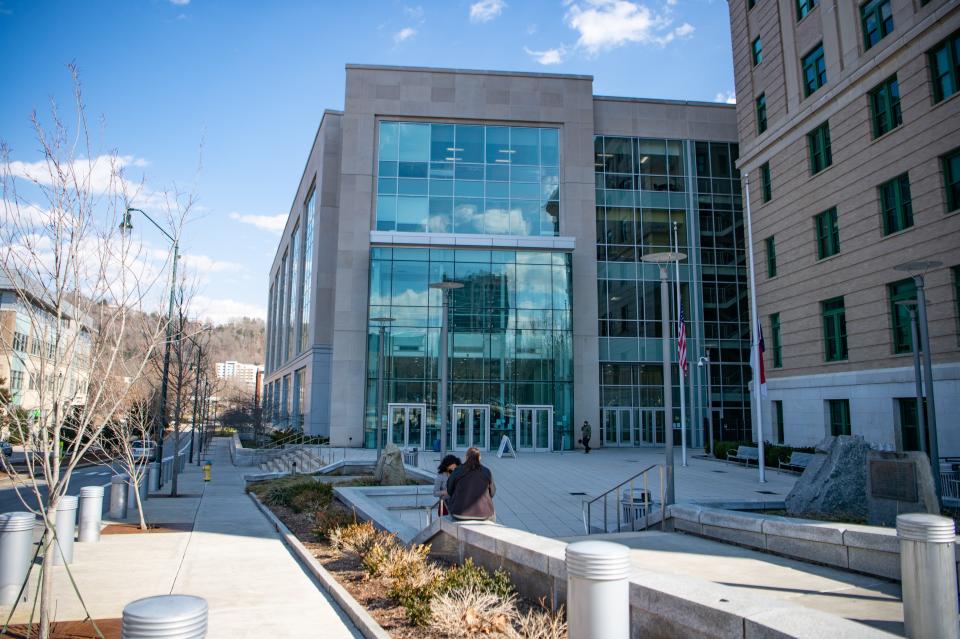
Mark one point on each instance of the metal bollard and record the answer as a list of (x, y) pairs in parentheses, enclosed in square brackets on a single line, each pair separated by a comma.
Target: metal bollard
[(16, 552), (598, 591), (928, 572), (152, 473), (142, 476), (166, 617), (66, 524), (91, 510), (118, 496)]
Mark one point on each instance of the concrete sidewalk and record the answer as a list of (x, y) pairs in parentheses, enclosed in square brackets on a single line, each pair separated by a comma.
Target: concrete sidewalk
[(233, 558)]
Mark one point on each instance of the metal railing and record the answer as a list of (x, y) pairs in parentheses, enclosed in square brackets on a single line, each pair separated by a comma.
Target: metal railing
[(950, 477), (630, 506)]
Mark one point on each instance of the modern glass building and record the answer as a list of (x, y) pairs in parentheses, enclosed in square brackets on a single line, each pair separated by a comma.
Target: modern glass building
[(540, 199)]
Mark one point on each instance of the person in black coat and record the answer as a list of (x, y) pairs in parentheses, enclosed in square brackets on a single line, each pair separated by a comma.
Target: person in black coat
[(471, 490)]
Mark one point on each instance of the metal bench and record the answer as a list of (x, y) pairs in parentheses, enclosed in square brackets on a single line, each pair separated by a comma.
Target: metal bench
[(745, 454), (798, 462)]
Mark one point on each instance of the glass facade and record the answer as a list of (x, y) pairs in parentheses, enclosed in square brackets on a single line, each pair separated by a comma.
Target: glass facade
[(460, 178), (510, 344)]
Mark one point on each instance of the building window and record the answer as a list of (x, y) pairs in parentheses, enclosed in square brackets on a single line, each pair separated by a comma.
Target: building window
[(307, 270), (751, 4), (944, 62), (771, 257), (804, 7), (834, 329), (828, 233), (766, 186), (777, 344), (839, 410), (876, 17), (901, 291), (20, 342), (909, 423), (761, 113), (818, 141), (757, 49), (16, 380), (951, 179), (895, 206), (778, 420), (885, 107), (814, 70), (294, 286)]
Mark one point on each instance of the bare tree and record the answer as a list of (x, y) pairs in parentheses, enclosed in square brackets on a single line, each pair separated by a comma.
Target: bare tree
[(80, 282), (117, 445)]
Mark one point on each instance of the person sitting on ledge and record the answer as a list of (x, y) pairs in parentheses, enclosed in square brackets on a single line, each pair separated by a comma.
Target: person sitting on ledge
[(471, 490)]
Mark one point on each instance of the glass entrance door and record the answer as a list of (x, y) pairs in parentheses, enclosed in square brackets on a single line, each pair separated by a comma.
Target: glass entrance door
[(535, 428), (651, 427), (405, 425), (617, 427), (471, 426)]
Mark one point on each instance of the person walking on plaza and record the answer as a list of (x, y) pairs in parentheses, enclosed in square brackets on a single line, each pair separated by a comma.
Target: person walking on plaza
[(447, 466), (585, 433), (471, 490)]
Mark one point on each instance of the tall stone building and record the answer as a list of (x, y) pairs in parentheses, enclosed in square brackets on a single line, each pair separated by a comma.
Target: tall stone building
[(849, 126)]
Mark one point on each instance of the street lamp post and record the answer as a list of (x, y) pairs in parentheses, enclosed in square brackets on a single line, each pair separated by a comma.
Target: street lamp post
[(704, 362), (662, 259), (126, 226), (445, 287), (911, 306), (383, 321)]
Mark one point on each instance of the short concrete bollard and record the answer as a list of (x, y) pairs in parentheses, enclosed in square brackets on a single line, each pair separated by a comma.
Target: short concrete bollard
[(118, 496), (928, 572), (165, 617), (598, 590), (91, 511), (16, 553), (66, 524)]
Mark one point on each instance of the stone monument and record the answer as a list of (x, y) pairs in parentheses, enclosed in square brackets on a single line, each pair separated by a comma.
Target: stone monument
[(834, 484), (389, 470), (899, 483)]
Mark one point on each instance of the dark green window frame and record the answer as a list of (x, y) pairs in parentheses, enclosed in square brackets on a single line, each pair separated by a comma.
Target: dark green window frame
[(771, 247), (756, 51), (775, 337), (951, 179), (839, 410), (956, 296), (876, 18), (885, 107), (944, 61), (761, 113), (827, 232), (900, 291), (766, 186), (804, 7), (896, 207), (834, 316), (814, 70), (778, 416), (818, 142), (751, 4)]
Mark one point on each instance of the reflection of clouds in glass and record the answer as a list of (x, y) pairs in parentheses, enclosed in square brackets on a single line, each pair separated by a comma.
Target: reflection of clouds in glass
[(495, 221)]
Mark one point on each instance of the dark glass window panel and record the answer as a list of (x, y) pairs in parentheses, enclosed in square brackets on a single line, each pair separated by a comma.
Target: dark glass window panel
[(469, 141), (441, 142), (413, 169)]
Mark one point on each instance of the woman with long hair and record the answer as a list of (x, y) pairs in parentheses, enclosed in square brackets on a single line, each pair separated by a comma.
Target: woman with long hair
[(471, 490), (447, 466)]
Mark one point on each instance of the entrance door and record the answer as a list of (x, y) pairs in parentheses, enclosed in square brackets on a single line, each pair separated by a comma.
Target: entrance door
[(651, 427), (617, 427), (535, 428), (405, 425), (471, 426)]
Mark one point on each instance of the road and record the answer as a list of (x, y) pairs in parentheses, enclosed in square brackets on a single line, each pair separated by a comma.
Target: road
[(89, 476)]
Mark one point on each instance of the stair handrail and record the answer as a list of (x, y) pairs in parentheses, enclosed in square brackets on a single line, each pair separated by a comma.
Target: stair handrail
[(587, 506)]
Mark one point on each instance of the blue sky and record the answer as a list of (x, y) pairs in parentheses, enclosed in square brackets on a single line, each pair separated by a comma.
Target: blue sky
[(248, 81)]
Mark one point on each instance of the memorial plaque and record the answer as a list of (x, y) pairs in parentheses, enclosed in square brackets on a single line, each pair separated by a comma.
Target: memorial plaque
[(893, 479)]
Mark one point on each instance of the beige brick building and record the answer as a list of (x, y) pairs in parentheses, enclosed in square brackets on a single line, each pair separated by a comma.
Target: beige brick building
[(849, 126)]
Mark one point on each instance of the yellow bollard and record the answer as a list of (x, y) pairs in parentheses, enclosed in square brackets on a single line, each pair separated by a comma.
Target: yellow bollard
[(206, 471)]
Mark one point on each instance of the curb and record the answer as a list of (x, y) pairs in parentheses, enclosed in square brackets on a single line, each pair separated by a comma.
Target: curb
[(365, 623)]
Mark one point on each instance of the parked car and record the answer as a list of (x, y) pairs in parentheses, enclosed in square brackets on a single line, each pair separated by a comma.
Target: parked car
[(6, 448), (143, 448)]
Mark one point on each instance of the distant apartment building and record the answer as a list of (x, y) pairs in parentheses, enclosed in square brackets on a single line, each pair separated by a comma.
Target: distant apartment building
[(849, 127), (246, 374), (36, 347)]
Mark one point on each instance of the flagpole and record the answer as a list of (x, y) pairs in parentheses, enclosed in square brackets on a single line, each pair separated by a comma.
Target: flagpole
[(680, 372), (754, 331)]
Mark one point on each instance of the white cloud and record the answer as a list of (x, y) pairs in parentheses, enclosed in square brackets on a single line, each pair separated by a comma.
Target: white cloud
[(272, 223), (607, 24), (729, 97), (180, 3), (415, 13), (206, 264), (684, 30), (550, 56), (404, 34), (486, 10), (222, 310)]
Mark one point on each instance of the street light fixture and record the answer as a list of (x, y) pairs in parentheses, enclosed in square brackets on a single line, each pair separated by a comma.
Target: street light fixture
[(911, 306), (383, 322), (662, 259), (704, 363), (445, 287), (126, 225)]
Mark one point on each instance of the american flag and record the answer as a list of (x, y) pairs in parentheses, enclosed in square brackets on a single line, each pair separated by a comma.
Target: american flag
[(682, 344), (761, 349)]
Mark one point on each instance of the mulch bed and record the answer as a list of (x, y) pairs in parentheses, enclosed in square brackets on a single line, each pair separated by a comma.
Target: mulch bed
[(134, 529), (109, 628)]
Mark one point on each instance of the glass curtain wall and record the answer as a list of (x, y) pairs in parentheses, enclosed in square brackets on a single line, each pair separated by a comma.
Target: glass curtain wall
[(510, 336), (307, 271)]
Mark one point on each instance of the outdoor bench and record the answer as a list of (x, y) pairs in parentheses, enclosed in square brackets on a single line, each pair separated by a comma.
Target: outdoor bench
[(797, 462), (745, 454)]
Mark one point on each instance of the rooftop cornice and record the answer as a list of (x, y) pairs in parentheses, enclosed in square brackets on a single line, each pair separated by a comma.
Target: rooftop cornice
[(526, 74)]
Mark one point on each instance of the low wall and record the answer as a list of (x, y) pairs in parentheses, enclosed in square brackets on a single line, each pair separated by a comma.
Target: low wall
[(871, 550)]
